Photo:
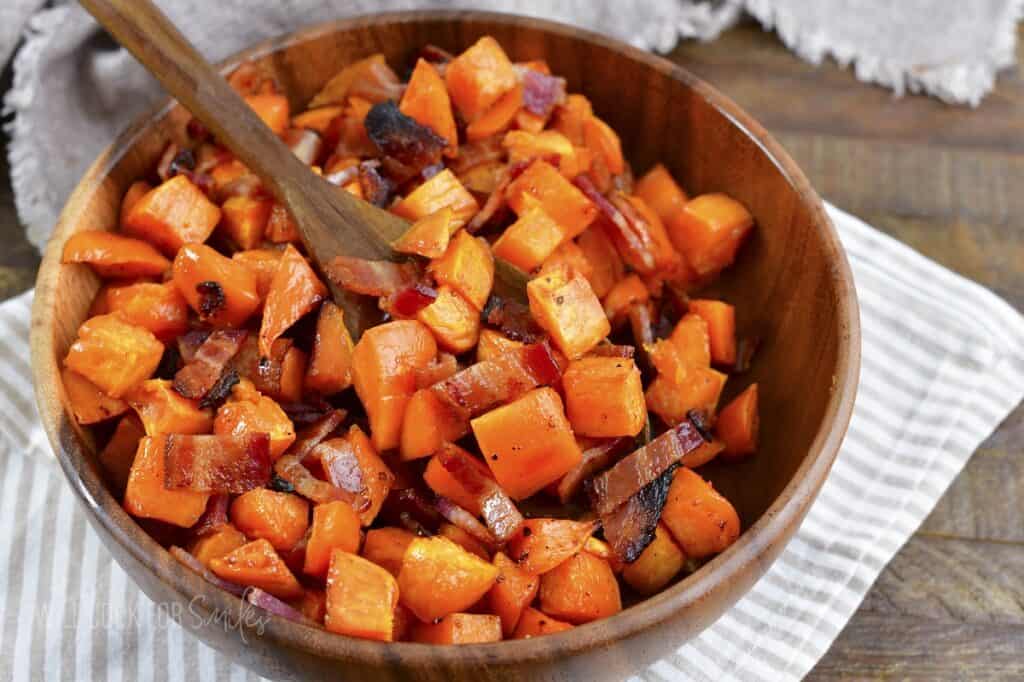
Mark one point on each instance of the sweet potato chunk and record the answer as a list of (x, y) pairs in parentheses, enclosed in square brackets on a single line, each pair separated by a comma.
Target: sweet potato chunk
[(721, 320), (221, 290), (606, 266), (657, 565), (663, 194), (622, 296), (163, 410), (263, 264), (136, 191), (294, 291), (738, 424), (543, 544), (478, 77), (257, 564), (370, 79), (114, 255), (580, 589), (438, 578), (530, 240), (258, 415), (464, 539), (118, 454), (604, 397), (217, 544), (453, 320), (173, 214), (699, 390), (318, 120), (493, 343), (700, 520), (459, 628), (279, 518), (565, 306), (146, 497), (244, 220), (533, 623), (564, 202), (467, 267), (513, 591), (272, 110), (114, 355), (687, 348), (498, 117), (428, 236), (426, 101), (527, 443), (330, 366), (427, 424), (335, 526), (710, 230), (88, 403), (441, 191), (361, 598), (383, 371), (160, 308), (603, 141), (386, 547)]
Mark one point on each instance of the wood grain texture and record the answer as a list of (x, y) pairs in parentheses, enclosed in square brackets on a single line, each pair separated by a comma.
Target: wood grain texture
[(792, 276)]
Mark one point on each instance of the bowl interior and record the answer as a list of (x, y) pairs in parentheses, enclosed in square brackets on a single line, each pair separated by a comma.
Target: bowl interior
[(791, 287)]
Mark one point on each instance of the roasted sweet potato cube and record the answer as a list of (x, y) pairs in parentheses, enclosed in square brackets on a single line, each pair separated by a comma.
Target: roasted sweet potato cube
[(136, 191), (626, 292), (172, 214), (701, 521), (272, 109), (335, 526), (223, 291), (513, 591), (531, 239), (114, 255), (603, 141), (427, 424), (542, 544), (293, 375), (384, 363), (244, 220), (710, 230), (606, 266), (279, 518), (661, 192), (565, 306), (467, 267), (312, 604), (738, 424), (281, 227), (721, 321), (444, 484), (361, 598), (263, 264), (427, 237), (533, 623), (562, 200), (88, 403), (527, 443), (330, 365), (438, 578), (570, 116), (160, 308), (478, 77), (699, 390), (459, 628), (257, 564), (217, 544), (146, 497), (687, 348), (580, 589), (426, 101), (386, 547), (568, 258), (441, 191), (118, 454), (493, 343), (523, 146), (294, 291), (260, 415), (498, 117), (114, 355), (163, 410), (604, 397), (318, 119), (452, 319), (464, 540), (657, 564)]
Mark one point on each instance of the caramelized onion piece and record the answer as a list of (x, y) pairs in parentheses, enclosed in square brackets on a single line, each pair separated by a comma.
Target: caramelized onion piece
[(597, 457), (499, 512), (513, 319), (272, 604), (315, 433), (466, 521), (343, 471), (217, 464)]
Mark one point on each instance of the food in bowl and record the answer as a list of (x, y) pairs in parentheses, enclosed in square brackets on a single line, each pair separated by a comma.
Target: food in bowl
[(471, 469)]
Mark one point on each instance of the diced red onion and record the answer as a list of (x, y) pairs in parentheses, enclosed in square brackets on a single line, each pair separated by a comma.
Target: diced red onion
[(290, 468), (272, 604)]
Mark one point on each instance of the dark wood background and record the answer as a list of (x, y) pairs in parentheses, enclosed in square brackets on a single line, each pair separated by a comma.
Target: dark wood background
[(946, 181)]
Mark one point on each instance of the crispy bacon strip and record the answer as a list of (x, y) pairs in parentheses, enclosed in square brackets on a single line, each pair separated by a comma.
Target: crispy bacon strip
[(215, 516), (370, 277), (217, 464), (499, 512), (630, 528), (289, 467), (597, 457), (513, 318), (189, 343), (201, 373), (612, 488)]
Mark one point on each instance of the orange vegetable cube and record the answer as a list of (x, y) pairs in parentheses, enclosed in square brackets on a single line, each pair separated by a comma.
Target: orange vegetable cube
[(565, 306), (738, 424), (244, 219), (427, 424), (700, 520), (370, 78), (542, 544), (464, 540), (661, 192), (335, 526), (438, 578), (580, 589), (312, 604), (160, 308), (444, 484), (604, 397), (699, 390), (562, 200), (221, 290), (428, 236), (514, 590), (114, 355), (330, 366), (88, 403), (145, 495), (293, 374), (570, 117), (272, 110), (523, 146), (533, 623), (687, 348), (493, 343), (173, 214), (163, 410), (622, 296), (217, 544), (114, 255), (261, 415), (441, 191), (426, 101), (136, 191), (721, 320), (118, 454), (454, 322), (568, 257), (279, 518), (478, 77), (602, 140), (710, 230), (294, 291), (256, 564), (263, 264), (527, 443), (459, 628), (603, 550), (498, 118), (386, 547), (361, 598), (281, 227), (318, 119), (657, 564), (531, 239), (606, 266), (467, 267)]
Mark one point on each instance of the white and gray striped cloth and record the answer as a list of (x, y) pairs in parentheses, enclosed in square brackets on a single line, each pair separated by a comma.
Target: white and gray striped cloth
[(943, 364)]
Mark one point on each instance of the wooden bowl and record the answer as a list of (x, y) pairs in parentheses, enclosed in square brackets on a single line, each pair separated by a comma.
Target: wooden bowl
[(792, 287)]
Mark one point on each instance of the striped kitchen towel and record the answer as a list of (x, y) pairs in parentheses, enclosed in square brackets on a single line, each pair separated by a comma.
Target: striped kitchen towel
[(943, 364)]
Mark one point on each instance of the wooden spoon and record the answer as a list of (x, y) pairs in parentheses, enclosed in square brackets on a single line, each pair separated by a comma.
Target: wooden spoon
[(332, 222)]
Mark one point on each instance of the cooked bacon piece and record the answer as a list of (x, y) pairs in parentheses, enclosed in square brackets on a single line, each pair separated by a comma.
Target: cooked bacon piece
[(513, 319), (201, 373), (412, 299), (472, 154), (633, 244), (376, 188), (401, 138), (597, 457), (221, 390), (409, 503), (315, 433), (190, 342), (498, 510), (541, 92), (630, 528), (370, 277), (436, 55), (215, 516), (289, 467), (306, 413), (460, 517), (612, 488), (217, 464), (611, 350)]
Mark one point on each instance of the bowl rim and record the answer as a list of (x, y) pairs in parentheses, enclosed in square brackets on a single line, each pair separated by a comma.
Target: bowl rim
[(784, 513)]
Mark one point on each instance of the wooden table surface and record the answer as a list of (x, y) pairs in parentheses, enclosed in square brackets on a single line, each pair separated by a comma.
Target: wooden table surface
[(945, 180)]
